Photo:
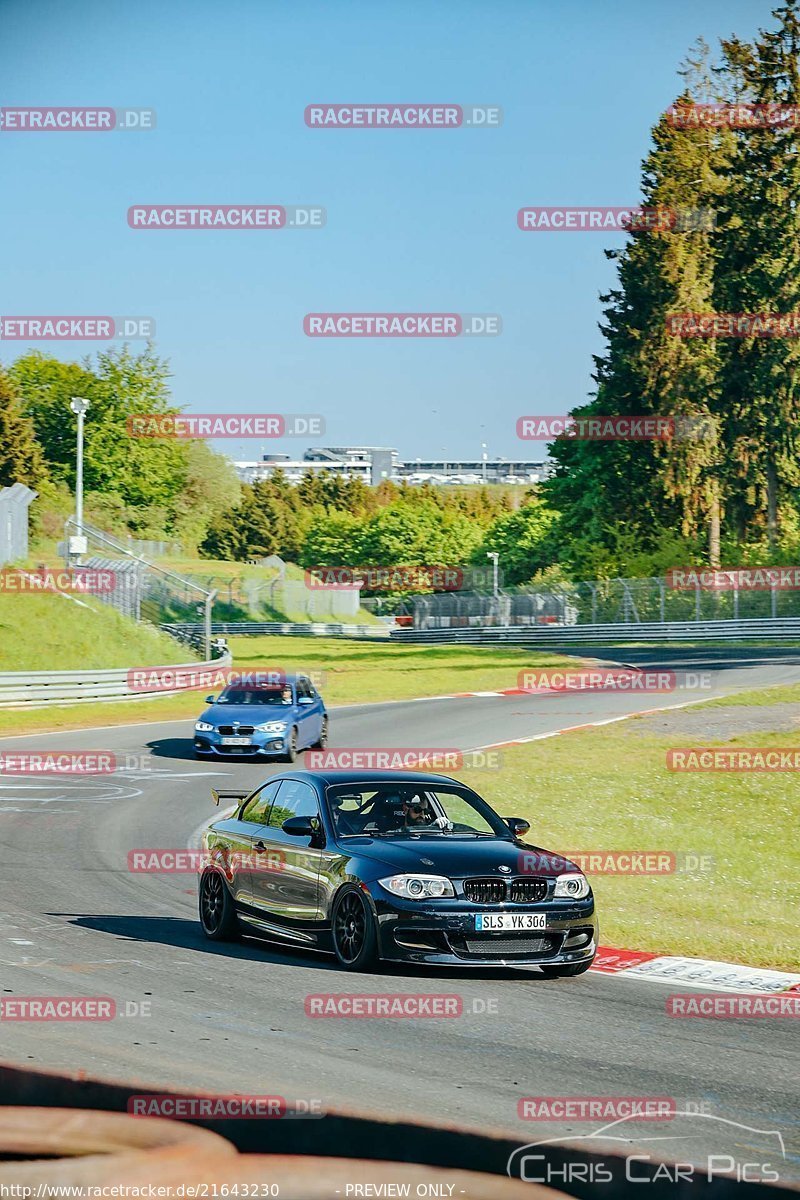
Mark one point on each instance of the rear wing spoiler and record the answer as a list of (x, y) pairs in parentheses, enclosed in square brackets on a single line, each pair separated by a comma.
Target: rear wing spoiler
[(217, 796)]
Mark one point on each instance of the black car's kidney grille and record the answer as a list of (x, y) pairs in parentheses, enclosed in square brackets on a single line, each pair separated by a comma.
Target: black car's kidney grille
[(234, 731), (485, 891), (524, 891), (498, 891)]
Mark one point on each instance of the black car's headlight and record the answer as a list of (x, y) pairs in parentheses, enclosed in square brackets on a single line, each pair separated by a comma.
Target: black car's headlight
[(418, 887), (204, 727), (573, 886)]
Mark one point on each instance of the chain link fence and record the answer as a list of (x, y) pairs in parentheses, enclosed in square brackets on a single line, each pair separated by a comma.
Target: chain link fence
[(607, 601)]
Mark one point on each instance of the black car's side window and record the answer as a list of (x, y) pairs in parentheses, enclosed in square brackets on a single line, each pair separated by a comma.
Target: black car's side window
[(258, 806), (297, 799)]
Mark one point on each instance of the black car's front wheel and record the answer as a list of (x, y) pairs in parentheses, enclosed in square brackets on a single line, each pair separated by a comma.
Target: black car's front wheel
[(217, 913), (355, 938), (567, 969)]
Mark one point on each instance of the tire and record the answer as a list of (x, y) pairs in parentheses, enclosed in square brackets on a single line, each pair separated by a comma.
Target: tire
[(322, 740), (217, 913), (355, 937), (567, 970), (291, 749)]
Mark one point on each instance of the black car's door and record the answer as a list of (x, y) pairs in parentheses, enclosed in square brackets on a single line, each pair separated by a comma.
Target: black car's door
[(237, 839), (286, 888)]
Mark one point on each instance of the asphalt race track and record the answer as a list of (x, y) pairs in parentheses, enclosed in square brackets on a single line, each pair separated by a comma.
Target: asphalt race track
[(230, 1019)]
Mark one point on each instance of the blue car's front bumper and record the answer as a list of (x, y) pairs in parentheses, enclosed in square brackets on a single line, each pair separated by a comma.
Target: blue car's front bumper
[(256, 745)]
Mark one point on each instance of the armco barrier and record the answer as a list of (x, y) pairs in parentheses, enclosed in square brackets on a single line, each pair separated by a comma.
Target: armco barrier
[(187, 631), (38, 689), (779, 629)]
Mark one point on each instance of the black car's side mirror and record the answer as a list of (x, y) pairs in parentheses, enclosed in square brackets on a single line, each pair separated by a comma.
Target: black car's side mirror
[(299, 826), (209, 699), (518, 825)]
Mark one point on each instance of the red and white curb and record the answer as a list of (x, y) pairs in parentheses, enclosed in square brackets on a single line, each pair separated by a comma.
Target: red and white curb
[(702, 973)]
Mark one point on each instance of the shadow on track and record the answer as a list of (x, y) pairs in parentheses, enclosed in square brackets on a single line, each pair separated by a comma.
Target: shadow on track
[(182, 934)]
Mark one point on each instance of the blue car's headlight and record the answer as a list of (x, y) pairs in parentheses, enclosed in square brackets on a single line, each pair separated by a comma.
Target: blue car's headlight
[(418, 887), (574, 885), (272, 727), (204, 727)]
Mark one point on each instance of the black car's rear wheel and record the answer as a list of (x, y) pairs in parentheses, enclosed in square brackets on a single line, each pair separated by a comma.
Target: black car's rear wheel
[(217, 913), (291, 747), (322, 740), (355, 938), (567, 969)]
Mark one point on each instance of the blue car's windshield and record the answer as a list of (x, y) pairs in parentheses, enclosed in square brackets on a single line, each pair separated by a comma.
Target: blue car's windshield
[(272, 696), (391, 810)]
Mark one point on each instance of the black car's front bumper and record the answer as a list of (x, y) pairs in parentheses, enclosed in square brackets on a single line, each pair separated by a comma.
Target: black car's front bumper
[(442, 933)]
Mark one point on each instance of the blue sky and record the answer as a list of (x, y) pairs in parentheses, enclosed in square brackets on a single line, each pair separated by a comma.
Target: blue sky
[(421, 221)]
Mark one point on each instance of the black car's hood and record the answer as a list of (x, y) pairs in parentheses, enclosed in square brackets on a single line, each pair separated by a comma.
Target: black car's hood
[(458, 857)]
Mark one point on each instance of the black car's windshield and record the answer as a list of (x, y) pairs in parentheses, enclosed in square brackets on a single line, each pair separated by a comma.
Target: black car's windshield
[(257, 695), (390, 810)]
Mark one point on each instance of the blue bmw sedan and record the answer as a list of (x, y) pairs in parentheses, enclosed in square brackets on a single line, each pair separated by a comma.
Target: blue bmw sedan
[(257, 722)]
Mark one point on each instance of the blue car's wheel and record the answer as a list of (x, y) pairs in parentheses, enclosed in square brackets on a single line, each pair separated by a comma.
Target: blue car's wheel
[(291, 747), (322, 740)]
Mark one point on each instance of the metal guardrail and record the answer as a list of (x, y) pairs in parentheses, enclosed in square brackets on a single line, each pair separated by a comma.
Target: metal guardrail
[(653, 631), (38, 689), (187, 631)]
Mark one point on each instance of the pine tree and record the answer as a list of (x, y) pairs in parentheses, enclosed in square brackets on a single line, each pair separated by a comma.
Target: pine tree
[(21, 458)]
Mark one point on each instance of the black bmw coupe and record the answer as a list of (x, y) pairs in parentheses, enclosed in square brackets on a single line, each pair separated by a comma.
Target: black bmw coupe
[(392, 865)]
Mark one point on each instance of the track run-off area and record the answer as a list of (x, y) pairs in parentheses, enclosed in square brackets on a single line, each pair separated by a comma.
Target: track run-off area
[(231, 1018)]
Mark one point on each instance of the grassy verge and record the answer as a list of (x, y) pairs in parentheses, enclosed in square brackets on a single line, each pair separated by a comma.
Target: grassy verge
[(50, 632), (609, 789), (353, 673)]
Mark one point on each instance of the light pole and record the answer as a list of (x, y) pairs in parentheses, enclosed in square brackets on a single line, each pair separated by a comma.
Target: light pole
[(484, 456), (495, 617), (79, 407)]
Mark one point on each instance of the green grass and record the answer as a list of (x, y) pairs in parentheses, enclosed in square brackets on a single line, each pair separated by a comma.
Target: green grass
[(360, 672), (354, 673), (609, 788), (46, 632)]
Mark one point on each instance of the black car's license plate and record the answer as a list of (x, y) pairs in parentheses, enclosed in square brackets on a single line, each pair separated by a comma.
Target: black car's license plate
[(509, 922)]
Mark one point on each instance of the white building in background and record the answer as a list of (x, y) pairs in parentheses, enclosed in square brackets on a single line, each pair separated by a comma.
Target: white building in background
[(374, 463)]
